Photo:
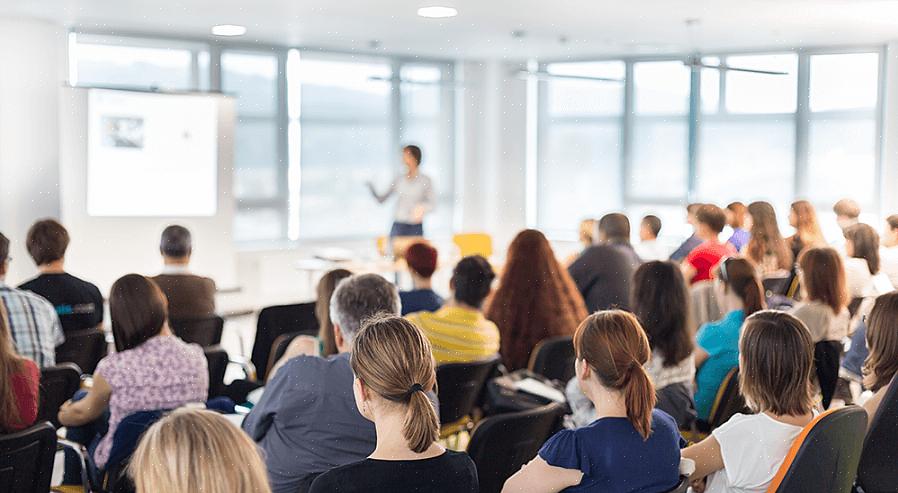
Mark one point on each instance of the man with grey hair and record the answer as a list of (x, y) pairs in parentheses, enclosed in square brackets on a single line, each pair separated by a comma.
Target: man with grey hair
[(306, 421), (189, 296)]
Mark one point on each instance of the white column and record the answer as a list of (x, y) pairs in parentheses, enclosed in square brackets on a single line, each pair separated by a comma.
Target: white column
[(32, 67), (890, 133)]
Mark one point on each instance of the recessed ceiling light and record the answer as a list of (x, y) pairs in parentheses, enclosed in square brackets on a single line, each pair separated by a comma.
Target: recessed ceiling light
[(437, 12), (228, 30)]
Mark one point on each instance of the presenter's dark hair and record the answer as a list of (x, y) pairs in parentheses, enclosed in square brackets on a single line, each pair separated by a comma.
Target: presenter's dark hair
[(415, 151), (47, 241), (472, 279), (176, 241)]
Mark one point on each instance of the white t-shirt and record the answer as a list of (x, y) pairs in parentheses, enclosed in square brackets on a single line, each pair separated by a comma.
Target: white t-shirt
[(889, 260), (753, 449), (651, 250)]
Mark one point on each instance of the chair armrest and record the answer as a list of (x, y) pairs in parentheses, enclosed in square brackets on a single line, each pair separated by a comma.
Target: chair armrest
[(246, 365), (81, 452)]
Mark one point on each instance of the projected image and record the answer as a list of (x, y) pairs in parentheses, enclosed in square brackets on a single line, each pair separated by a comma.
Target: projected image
[(122, 131)]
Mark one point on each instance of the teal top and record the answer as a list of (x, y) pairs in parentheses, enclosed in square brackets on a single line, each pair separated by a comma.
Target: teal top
[(720, 340)]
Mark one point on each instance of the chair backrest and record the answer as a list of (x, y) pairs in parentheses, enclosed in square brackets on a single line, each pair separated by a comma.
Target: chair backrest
[(85, 348), (877, 471), (824, 457), (217, 358), (553, 358), (502, 444), (124, 443), (278, 320), (203, 331), (26, 459), (58, 384), (474, 244), (854, 305), (278, 348), (459, 386), (776, 285), (728, 402)]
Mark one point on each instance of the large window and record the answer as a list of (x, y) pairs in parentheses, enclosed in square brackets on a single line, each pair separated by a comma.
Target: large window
[(312, 128), (709, 134)]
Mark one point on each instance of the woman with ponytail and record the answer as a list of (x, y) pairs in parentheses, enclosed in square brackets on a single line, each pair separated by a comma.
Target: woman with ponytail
[(394, 370), (740, 294), (630, 446)]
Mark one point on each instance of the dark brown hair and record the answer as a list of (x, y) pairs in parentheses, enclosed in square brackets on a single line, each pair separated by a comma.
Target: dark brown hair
[(882, 339), (326, 287), (823, 276), (615, 227), (807, 229), (4, 249), (776, 363), (738, 217), (653, 223), (138, 310), (660, 301), (893, 221), (865, 244), (536, 299), (415, 151), (421, 259), (741, 276), (394, 359), (711, 216), (766, 238), (47, 241), (472, 280), (614, 345)]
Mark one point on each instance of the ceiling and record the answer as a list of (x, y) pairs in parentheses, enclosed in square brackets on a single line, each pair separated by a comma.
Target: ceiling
[(551, 29)]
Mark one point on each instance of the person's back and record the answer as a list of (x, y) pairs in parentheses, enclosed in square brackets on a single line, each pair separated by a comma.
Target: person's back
[(603, 274), (446, 473), (189, 296)]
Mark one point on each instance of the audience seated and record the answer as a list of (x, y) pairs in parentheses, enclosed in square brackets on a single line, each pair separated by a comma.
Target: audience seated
[(693, 241), (422, 262), (735, 213), (197, 450), (459, 332), (862, 267), (824, 311), (740, 294), (629, 446), (847, 213), (882, 341), (189, 296), (603, 272), (32, 320), (767, 248), (661, 303), (393, 366), (150, 370), (808, 234), (325, 290), (78, 303), (775, 365), (709, 223), (588, 236), (19, 379), (306, 421), (649, 247), (536, 299), (889, 250)]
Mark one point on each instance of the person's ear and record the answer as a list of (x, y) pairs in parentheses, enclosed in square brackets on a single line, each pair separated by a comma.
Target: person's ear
[(582, 369), (338, 336)]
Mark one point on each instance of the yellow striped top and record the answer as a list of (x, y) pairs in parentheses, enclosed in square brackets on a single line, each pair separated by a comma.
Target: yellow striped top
[(458, 335)]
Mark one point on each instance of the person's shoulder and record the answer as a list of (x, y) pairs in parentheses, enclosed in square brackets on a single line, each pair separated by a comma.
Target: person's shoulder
[(739, 424), (33, 299), (661, 421), (339, 477)]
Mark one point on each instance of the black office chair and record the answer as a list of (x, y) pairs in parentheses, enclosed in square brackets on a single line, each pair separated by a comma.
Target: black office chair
[(553, 358), (728, 401), (877, 471), (459, 387), (776, 285), (824, 458), (502, 444), (203, 331), (854, 305), (217, 358), (278, 348), (26, 459), (278, 320), (85, 348), (58, 384)]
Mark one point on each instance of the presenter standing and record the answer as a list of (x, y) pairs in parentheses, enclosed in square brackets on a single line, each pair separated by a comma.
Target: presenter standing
[(415, 196)]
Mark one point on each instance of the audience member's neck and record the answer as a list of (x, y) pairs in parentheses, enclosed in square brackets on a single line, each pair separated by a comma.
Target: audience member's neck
[(708, 236), (608, 403), (391, 443), (54, 267), (461, 304), (419, 282), (650, 239), (732, 303), (890, 242), (618, 240), (179, 261)]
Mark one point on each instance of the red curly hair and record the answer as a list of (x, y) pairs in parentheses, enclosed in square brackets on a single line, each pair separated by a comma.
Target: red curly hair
[(536, 299)]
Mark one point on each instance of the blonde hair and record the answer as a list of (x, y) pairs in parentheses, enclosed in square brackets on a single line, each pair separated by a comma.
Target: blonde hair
[(394, 359), (197, 450)]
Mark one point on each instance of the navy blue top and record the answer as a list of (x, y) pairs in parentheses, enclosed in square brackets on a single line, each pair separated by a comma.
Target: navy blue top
[(420, 300), (687, 246), (614, 458)]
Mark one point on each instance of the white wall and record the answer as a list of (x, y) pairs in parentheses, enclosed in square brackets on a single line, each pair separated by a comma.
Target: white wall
[(32, 68)]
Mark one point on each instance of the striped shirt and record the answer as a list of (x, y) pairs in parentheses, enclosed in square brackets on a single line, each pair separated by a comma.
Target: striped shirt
[(35, 327), (458, 335)]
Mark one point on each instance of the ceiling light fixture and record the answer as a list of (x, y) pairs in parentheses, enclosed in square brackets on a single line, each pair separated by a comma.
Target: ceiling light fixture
[(437, 12), (228, 30)]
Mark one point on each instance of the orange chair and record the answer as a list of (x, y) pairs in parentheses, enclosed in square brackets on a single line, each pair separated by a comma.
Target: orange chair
[(825, 456)]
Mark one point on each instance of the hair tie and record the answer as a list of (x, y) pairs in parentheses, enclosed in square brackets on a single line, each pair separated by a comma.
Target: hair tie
[(414, 388)]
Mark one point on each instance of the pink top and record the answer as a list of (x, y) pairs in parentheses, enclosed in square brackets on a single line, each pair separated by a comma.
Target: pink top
[(162, 373)]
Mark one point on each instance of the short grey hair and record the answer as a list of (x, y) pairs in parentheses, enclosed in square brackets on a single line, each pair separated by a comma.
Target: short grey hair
[(358, 298)]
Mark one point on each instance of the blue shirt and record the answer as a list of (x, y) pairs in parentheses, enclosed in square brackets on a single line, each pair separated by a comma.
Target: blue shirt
[(720, 340), (613, 456), (739, 238), (420, 300)]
